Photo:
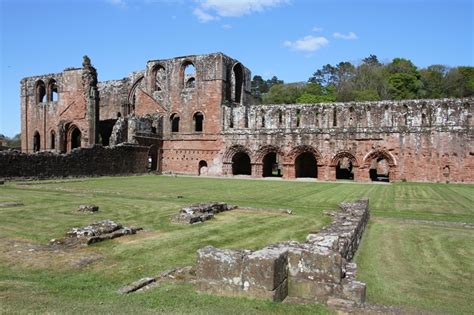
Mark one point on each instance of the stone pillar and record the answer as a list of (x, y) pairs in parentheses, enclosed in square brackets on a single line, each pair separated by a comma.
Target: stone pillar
[(288, 171), (361, 174), (257, 170), (91, 95)]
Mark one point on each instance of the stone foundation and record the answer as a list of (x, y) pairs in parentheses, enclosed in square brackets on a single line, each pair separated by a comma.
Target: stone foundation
[(315, 271)]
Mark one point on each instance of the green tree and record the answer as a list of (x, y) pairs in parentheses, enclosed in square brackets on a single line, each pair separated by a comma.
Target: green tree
[(282, 94), (432, 79), (315, 93)]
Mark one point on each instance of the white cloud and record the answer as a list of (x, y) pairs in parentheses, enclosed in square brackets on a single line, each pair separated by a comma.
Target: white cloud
[(317, 29), (213, 9), (204, 16), (226, 26), (307, 44), (349, 36)]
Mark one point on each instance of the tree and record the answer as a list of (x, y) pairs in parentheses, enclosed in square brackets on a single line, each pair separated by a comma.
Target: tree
[(282, 94), (432, 79), (314, 93), (403, 86)]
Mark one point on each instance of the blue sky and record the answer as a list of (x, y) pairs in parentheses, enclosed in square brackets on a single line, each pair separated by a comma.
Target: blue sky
[(286, 38)]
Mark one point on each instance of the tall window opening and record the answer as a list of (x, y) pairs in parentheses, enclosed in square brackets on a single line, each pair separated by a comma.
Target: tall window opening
[(52, 91), (174, 119), (160, 78), (53, 140), (298, 117), (198, 122), (334, 117), (280, 116), (75, 138), (40, 92), (36, 142), (237, 80), (189, 75), (271, 166)]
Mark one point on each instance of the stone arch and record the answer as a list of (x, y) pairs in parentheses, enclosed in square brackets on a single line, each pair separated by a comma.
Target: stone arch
[(52, 91), (132, 95), (73, 137), (380, 164), (237, 160), (305, 160), (271, 158), (174, 122), (40, 91), (202, 168), (198, 122), (188, 74), (344, 163), (158, 76)]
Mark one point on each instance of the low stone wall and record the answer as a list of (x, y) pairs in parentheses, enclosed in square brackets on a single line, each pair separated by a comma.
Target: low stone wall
[(316, 271), (94, 161)]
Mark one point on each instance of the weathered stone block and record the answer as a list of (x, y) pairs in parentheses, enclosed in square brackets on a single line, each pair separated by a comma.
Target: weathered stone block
[(276, 295), (312, 290), (223, 265), (314, 263), (354, 291), (265, 268)]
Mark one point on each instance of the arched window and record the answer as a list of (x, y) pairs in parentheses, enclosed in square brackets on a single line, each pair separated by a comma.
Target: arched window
[(174, 120), (198, 119), (159, 75), (36, 142), (189, 75), (40, 92), (75, 138), (52, 139), (52, 91), (237, 82)]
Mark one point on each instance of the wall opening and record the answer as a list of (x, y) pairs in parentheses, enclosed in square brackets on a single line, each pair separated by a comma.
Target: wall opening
[(36, 142), (152, 158), (202, 168), (306, 166), (189, 75), (334, 117), (174, 120), (40, 92), (52, 91), (379, 170), (280, 117), (241, 164), (198, 119), (344, 169), (262, 113), (52, 139), (298, 117), (105, 130), (271, 166), (159, 75), (75, 138), (238, 80)]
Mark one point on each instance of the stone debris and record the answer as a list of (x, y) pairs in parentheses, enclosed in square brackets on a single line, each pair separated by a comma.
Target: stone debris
[(93, 233), (201, 212), (88, 208), (136, 285), (317, 271), (10, 204)]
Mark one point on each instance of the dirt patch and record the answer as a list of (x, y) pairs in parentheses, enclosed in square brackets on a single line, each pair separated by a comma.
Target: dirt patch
[(39, 256)]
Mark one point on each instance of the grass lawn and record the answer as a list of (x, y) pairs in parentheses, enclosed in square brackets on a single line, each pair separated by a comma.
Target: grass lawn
[(404, 263)]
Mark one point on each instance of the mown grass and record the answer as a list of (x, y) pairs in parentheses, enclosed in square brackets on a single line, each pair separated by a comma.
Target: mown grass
[(38, 281)]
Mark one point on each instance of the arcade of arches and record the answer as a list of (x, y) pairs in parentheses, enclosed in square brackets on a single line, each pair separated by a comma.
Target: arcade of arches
[(308, 163)]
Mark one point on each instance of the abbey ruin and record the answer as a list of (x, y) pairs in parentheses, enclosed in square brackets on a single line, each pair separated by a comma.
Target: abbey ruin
[(192, 115)]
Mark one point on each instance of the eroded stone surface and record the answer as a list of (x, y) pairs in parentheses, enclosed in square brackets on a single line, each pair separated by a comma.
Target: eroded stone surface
[(88, 208), (201, 212), (316, 271)]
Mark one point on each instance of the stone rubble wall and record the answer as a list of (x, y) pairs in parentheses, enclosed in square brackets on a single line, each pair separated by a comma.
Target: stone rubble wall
[(315, 271), (93, 161)]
